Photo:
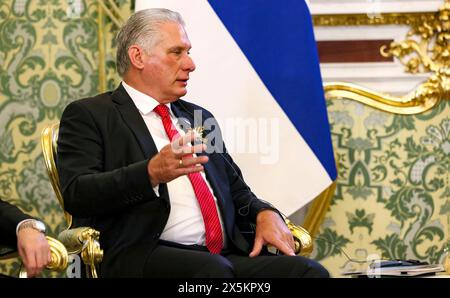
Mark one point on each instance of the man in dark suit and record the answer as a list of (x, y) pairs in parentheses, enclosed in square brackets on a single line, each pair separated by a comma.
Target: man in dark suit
[(20, 230), (165, 205)]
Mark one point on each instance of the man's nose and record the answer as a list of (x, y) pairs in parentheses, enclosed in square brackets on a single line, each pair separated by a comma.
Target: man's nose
[(188, 64)]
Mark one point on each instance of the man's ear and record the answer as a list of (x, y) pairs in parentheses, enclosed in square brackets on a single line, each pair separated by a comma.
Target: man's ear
[(135, 53)]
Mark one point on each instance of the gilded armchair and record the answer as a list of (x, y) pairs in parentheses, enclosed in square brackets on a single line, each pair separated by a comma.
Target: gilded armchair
[(85, 240), (82, 240)]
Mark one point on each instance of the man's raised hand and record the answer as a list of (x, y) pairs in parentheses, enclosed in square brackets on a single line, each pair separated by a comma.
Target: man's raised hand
[(176, 159)]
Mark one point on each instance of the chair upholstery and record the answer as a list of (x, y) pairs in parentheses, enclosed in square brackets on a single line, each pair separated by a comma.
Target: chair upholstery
[(84, 240)]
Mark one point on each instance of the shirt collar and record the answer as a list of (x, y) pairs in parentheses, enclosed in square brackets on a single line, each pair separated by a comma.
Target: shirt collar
[(143, 102)]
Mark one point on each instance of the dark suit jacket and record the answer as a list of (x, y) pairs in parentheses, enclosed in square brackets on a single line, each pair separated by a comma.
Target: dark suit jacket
[(10, 216), (103, 150)]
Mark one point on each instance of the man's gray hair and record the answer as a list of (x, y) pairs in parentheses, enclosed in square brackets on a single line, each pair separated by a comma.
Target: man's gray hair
[(141, 29)]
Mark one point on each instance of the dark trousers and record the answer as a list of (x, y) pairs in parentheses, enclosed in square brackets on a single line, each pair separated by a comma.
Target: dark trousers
[(170, 260)]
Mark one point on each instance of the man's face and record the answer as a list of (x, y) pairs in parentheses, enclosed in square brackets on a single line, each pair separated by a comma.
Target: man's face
[(167, 65)]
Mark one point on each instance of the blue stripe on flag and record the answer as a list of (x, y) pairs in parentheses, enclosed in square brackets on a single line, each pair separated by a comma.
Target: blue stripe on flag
[(278, 40)]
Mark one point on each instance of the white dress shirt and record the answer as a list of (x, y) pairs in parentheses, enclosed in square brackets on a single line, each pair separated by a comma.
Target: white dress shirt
[(185, 224)]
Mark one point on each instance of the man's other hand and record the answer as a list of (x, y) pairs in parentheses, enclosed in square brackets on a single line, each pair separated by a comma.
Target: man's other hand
[(166, 166), (34, 250), (271, 229)]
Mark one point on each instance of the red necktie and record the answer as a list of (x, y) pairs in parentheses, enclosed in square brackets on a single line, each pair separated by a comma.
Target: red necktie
[(213, 229)]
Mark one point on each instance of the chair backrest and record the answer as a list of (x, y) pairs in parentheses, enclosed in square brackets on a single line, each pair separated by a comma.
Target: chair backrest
[(49, 139), (82, 240)]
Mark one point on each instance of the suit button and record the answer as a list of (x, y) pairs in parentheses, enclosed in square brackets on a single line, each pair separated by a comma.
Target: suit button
[(156, 235)]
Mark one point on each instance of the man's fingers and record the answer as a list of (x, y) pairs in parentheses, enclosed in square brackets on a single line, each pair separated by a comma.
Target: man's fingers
[(31, 264), (44, 257), (284, 248), (25, 259), (189, 170), (190, 161), (186, 150), (290, 240), (259, 242), (40, 263), (184, 140)]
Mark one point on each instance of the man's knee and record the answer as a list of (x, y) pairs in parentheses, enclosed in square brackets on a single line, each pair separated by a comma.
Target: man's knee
[(309, 268), (216, 266)]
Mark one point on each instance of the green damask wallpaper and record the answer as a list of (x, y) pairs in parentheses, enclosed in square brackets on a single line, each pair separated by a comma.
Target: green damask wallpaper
[(393, 193), (48, 57), (393, 190)]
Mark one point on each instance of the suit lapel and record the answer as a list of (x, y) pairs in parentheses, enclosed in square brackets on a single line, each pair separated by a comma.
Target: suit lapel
[(132, 118), (186, 118)]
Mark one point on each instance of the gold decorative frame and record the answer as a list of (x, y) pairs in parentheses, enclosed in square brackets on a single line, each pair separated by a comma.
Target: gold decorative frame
[(84, 240), (318, 210), (426, 42), (109, 9), (411, 19), (415, 102)]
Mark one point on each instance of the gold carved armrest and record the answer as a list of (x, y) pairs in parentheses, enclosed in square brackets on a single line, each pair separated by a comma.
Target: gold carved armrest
[(84, 240), (302, 239), (59, 256)]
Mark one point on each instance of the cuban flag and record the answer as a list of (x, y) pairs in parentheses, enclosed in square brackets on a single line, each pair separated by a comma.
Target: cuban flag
[(258, 73)]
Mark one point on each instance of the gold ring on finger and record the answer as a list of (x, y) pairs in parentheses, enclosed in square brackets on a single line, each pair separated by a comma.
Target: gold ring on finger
[(180, 163)]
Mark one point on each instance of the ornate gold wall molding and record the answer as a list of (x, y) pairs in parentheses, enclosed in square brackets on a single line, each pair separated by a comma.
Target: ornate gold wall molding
[(424, 98), (410, 19), (426, 49)]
